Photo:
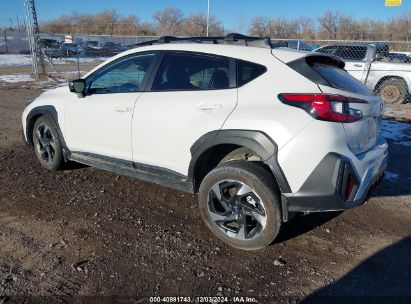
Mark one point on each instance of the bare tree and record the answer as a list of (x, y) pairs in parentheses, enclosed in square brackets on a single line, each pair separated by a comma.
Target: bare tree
[(196, 25), (282, 28), (146, 29), (329, 23), (241, 25), (168, 21), (107, 22), (86, 24), (305, 28), (128, 26), (348, 29), (62, 24), (259, 26)]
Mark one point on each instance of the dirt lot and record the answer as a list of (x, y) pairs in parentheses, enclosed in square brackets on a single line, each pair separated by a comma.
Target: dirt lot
[(85, 235)]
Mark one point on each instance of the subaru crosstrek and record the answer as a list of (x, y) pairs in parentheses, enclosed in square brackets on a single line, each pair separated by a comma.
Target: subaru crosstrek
[(259, 132)]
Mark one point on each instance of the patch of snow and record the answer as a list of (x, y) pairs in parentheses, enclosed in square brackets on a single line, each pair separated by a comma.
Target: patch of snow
[(13, 78), (391, 176), (7, 60), (71, 60), (399, 132)]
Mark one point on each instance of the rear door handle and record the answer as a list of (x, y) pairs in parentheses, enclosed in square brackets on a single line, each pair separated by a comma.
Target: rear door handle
[(123, 109), (358, 65), (209, 107)]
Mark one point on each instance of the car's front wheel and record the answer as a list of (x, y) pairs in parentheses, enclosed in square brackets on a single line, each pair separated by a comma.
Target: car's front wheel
[(47, 144), (239, 202)]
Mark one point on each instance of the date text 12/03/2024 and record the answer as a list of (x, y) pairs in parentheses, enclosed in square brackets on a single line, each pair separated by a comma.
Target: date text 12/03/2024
[(219, 299)]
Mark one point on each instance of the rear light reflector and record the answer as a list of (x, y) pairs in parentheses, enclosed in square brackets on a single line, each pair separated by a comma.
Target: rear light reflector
[(351, 183), (326, 107)]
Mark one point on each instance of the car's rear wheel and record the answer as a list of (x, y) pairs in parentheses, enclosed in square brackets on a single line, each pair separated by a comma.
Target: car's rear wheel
[(239, 202), (47, 144), (393, 91)]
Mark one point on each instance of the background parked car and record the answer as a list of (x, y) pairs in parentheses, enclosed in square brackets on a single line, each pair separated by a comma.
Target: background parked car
[(64, 50), (300, 45), (114, 48), (397, 57), (370, 64)]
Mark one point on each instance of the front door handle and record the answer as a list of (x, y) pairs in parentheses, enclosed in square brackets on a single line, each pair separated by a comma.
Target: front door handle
[(358, 65), (206, 107), (123, 109)]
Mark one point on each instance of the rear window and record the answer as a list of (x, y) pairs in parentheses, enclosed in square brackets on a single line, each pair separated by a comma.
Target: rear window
[(329, 72), (248, 71)]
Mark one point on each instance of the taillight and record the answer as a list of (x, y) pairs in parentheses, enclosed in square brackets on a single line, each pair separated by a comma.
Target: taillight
[(325, 106)]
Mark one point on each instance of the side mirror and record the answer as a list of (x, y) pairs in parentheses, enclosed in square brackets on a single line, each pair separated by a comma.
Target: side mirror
[(78, 86)]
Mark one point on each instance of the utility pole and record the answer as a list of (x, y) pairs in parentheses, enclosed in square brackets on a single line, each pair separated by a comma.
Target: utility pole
[(208, 17), (18, 23), (34, 39), (5, 40), (11, 24)]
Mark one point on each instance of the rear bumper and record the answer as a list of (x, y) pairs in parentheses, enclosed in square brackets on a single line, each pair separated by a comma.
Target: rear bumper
[(324, 190)]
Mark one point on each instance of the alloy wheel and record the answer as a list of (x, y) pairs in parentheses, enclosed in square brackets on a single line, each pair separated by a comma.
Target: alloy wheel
[(236, 209), (45, 143)]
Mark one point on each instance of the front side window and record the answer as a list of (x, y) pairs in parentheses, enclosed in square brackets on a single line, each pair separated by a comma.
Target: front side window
[(180, 71), (124, 76)]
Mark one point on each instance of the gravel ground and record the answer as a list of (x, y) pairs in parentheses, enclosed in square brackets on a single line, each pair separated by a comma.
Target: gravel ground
[(85, 235)]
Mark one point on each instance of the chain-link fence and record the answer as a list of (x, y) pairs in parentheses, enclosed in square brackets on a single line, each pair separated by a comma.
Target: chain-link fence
[(13, 42), (384, 66), (69, 56)]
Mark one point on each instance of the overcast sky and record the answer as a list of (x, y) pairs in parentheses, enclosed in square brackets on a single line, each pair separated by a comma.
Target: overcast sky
[(228, 11)]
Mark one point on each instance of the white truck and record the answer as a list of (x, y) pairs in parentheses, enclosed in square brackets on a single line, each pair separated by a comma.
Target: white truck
[(370, 64)]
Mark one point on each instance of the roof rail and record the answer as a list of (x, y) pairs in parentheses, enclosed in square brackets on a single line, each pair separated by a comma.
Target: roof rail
[(231, 37)]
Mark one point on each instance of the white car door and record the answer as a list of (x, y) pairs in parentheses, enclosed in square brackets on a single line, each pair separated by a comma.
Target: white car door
[(355, 58), (356, 69), (100, 123), (192, 94)]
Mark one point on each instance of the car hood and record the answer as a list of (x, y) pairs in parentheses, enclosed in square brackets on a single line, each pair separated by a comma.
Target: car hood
[(52, 96)]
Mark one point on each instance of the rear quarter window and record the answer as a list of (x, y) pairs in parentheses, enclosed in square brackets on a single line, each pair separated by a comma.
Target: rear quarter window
[(328, 71), (248, 71)]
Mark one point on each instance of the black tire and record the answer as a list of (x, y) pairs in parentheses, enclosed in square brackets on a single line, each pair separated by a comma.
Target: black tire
[(47, 144), (393, 91), (265, 199)]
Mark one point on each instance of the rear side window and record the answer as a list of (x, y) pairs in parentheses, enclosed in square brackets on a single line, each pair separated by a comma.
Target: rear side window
[(329, 72), (181, 71), (248, 71)]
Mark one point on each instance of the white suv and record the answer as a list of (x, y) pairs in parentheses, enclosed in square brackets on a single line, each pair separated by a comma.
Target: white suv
[(258, 132)]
